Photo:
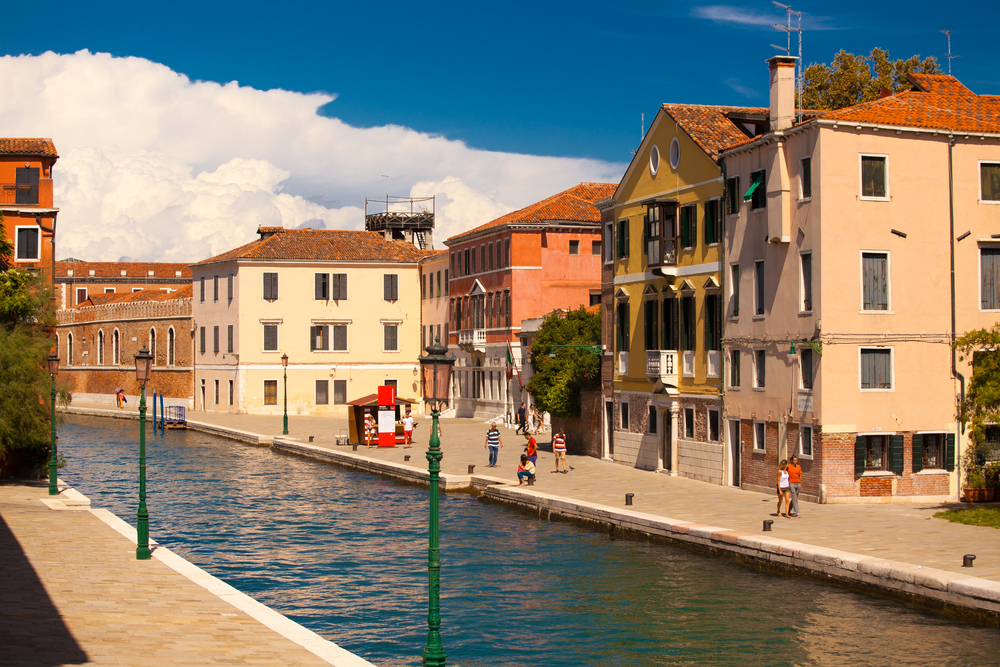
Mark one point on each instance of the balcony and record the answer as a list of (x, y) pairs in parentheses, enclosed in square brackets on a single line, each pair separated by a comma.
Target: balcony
[(472, 340), (662, 365), (26, 194), (713, 363), (661, 232), (623, 363)]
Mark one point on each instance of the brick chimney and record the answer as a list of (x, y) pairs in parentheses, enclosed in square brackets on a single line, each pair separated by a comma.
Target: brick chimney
[(782, 91)]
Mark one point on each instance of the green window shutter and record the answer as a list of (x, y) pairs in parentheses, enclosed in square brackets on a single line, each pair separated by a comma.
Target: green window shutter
[(859, 455), (710, 222), (685, 228), (896, 454), (949, 452), (918, 452)]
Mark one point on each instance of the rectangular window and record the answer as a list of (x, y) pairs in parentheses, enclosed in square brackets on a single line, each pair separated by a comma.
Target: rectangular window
[(759, 368), (688, 321), (609, 242), (390, 342), (339, 392), (758, 190), (489, 254), (423, 286), (595, 248), (989, 181), (216, 392), (759, 436), (929, 450), (624, 415), (875, 280), (622, 328), (270, 337), (806, 368), (270, 392), (270, 286), (712, 226), (671, 324), (229, 287), (873, 177), (506, 306), (322, 287), (319, 338), (805, 178), (229, 338), (734, 368), (215, 339), (651, 420), (26, 183), (201, 334), (650, 320), (689, 228), (734, 287), (340, 337), (713, 322), (758, 285), (623, 238), (805, 441), (689, 423), (989, 277), (473, 253), (438, 284), (338, 286), (447, 285), (482, 257), (876, 451), (231, 392), (215, 288), (733, 195), (201, 291), (806, 278), (876, 368), (574, 247), (390, 287), (506, 252), (81, 295), (713, 425), (322, 392)]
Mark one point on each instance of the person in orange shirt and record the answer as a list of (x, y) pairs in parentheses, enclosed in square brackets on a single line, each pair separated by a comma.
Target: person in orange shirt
[(795, 484)]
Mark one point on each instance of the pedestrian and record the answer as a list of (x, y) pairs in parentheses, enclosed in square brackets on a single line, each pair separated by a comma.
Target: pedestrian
[(371, 429), (521, 420), (493, 444), (559, 449), (525, 471), (531, 450), (794, 484), (120, 397), (783, 493), (408, 430)]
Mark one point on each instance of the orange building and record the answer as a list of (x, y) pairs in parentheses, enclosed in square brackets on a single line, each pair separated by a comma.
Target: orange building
[(26, 201), (525, 264)]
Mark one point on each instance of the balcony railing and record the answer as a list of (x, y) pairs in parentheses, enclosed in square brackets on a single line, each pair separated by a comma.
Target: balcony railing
[(713, 363), (662, 365), (623, 363), (473, 339), (26, 194)]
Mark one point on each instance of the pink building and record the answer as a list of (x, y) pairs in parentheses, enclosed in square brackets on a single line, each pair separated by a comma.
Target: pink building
[(520, 266)]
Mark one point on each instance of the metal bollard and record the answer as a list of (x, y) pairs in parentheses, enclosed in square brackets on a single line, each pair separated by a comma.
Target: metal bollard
[(354, 447), (311, 438), (471, 468), (767, 525), (628, 498), (967, 560), (406, 457)]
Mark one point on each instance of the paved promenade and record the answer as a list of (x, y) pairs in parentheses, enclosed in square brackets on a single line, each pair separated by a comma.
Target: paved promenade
[(72, 592)]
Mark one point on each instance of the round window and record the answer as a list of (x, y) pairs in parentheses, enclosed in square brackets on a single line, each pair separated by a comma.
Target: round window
[(675, 153), (654, 159)]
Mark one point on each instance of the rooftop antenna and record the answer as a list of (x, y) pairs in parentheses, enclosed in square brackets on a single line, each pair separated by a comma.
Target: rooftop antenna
[(642, 134), (949, 56), (788, 30)]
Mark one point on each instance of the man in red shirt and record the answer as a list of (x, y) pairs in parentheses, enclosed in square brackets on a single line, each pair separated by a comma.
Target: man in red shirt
[(795, 484)]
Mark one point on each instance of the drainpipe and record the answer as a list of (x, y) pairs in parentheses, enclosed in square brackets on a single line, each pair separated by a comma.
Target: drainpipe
[(722, 325), (954, 367)]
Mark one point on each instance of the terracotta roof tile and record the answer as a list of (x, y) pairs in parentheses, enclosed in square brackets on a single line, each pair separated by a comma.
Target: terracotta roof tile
[(133, 270), (942, 84), (711, 126), (328, 245), (575, 204), (41, 147)]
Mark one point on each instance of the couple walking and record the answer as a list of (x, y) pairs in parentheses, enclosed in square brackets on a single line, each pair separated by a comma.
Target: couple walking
[(789, 485)]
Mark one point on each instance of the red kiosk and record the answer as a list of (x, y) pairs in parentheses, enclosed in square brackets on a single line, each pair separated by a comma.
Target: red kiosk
[(378, 404)]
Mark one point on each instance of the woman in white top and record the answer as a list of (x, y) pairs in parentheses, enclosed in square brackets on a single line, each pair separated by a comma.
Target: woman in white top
[(784, 490)]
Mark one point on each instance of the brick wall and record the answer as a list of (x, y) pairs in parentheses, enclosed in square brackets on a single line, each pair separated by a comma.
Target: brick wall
[(875, 486), (583, 434), (837, 456)]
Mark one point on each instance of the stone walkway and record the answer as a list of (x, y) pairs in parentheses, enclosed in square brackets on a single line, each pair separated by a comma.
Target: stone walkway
[(72, 593), (906, 533)]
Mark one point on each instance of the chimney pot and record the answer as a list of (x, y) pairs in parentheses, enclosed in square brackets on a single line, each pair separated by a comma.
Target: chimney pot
[(782, 91)]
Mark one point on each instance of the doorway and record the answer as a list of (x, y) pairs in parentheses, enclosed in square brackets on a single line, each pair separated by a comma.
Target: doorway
[(666, 443), (609, 425), (734, 451)]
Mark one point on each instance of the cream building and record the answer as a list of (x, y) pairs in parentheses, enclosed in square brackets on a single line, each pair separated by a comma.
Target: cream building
[(861, 243), (344, 306)]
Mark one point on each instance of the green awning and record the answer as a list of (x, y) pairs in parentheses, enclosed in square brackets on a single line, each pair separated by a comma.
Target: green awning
[(749, 193)]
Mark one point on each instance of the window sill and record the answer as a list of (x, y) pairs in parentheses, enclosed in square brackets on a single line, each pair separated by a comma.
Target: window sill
[(807, 392), (759, 318), (877, 391), (805, 200), (863, 198), (805, 457), (878, 473), (759, 388), (711, 376), (759, 451), (732, 388), (989, 201), (876, 312), (933, 472), (330, 351), (805, 313)]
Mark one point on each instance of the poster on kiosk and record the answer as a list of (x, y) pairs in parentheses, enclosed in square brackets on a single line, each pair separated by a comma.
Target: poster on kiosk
[(386, 416)]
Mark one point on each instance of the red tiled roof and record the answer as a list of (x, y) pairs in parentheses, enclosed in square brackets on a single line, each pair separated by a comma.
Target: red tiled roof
[(942, 84), (321, 245), (42, 147), (133, 270), (137, 297), (575, 204), (710, 126)]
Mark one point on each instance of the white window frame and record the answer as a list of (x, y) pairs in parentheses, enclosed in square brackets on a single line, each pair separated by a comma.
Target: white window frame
[(708, 425), (802, 196), (888, 193), (729, 369), (888, 282), (38, 246), (623, 407), (77, 291), (759, 444), (759, 290), (979, 175), (734, 291), (109, 290), (654, 159), (812, 355), (812, 441), (892, 368), (802, 283), (692, 410), (399, 325), (333, 323), (989, 243), (263, 323), (116, 347), (756, 375)]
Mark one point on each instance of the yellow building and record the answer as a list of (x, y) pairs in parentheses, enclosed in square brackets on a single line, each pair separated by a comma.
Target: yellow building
[(664, 321)]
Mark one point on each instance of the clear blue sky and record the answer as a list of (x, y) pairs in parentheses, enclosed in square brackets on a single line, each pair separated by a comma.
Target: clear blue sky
[(544, 78)]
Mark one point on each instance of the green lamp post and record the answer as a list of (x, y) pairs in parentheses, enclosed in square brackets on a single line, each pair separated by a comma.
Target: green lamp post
[(435, 369), (53, 361), (143, 363), (284, 370)]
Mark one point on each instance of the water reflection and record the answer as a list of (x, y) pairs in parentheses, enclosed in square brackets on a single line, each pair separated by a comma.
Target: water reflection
[(344, 553)]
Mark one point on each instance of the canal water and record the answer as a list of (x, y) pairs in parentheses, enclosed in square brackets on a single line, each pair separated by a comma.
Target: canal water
[(345, 554)]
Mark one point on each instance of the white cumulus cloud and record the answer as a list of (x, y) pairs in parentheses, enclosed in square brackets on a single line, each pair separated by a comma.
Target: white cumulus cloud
[(157, 167)]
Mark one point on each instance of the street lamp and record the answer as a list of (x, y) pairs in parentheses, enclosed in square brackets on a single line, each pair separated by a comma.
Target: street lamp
[(435, 378), (284, 367), (143, 362), (53, 361)]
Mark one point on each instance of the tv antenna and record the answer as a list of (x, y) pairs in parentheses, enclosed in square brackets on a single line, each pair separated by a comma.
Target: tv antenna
[(949, 56), (788, 30), (642, 133)]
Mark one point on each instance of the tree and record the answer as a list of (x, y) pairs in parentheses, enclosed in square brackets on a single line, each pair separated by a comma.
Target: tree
[(980, 407), (557, 382), (852, 79)]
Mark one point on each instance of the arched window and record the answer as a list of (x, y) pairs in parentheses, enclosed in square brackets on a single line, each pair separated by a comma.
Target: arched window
[(100, 348), (170, 347), (152, 344), (115, 349), (69, 349)]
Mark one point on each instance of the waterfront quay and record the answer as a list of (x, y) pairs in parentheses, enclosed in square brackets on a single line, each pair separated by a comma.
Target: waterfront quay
[(896, 549)]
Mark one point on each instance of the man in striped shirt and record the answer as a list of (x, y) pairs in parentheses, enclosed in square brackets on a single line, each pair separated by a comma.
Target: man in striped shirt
[(493, 444), (559, 448)]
